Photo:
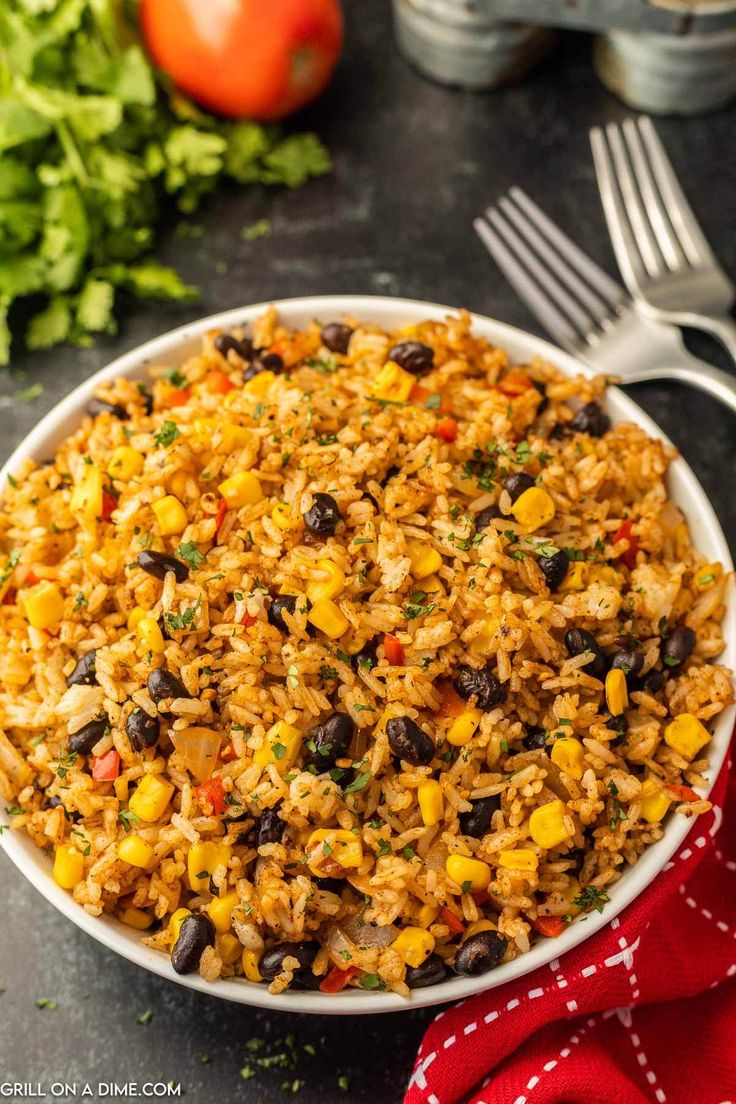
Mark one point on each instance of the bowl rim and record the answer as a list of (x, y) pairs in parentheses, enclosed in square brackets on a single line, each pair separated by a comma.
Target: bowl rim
[(171, 346)]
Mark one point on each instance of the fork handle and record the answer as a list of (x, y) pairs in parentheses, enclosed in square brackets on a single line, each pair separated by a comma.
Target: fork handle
[(696, 373), (724, 329)]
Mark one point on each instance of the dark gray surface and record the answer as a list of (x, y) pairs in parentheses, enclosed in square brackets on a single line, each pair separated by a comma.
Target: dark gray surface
[(413, 164)]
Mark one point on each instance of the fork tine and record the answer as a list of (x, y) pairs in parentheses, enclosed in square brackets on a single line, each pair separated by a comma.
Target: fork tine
[(607, 288), (673, 256), (538, 303), (598, 309), (691, 237), (632, 203), (619, 229)]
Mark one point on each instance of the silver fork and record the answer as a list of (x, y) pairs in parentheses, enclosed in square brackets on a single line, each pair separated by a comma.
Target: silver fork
[(584, 310), (665, 260)]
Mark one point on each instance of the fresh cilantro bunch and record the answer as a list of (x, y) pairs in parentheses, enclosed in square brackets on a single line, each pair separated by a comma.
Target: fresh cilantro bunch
[(94, 144)]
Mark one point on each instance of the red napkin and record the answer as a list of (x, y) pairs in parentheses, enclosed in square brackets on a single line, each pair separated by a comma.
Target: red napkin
[(644, 1011)]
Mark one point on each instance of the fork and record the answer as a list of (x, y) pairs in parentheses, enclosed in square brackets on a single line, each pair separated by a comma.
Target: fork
[(664, 258), (585, 311)]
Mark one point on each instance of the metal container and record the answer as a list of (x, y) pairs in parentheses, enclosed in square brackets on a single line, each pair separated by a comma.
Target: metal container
[(677, 17), (457, 42)]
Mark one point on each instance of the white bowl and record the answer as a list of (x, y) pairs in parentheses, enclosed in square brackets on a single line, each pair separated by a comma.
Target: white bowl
[(684, 489)]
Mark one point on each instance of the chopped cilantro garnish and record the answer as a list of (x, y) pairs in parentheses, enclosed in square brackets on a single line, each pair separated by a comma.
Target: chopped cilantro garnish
[(167, 434)]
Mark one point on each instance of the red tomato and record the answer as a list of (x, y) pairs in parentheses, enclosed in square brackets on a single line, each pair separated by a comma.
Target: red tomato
[(550, 926), (624, 533), (446, 429), (32, 578), (248, 619), (451, 704), (684, 793), (109, 503), (106, 767), (453, 921), (336, 979), (220, 515), (393, 650), (439, 402), (218, 383), (514, 383), (245, 58), (211, 794), (178, 396)]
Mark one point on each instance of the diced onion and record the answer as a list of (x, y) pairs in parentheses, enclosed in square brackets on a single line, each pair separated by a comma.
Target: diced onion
[(198, 748)]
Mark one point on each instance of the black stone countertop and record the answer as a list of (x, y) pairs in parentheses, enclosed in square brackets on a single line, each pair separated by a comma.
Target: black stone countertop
[(413, 164)]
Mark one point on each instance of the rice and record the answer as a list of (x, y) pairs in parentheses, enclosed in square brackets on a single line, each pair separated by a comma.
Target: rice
[(302, 871)]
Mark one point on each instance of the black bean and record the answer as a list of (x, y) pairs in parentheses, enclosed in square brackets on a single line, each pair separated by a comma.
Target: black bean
[(477, 822), (276, 610), (263, 362), (480, 953), (56, 803), (628, 660), (554, 568), (271, 826), (481, 684), (271, 963), (85, 671), (195, 933), (329, 740), (618, 724), (413, 357), (84, 739), (516, 483), (158, 563), (678, 646), (407, 741), (591, 419), (544, 401), (430, 972), (147, 398), (323, 515), (99, 406), (371, 499), (142, 730), (578, 641), (162, 685), (366, 659), (224, 342), (484, 517), (336, 336), (330, 885), (535, 738), (653, 682), (392, 471)]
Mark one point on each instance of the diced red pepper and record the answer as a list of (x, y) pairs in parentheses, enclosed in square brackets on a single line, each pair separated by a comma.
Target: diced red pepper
[(451, 704), (32, 578), (9, 597), (109, 503), (178, 396), (446, 429), (336, 979), (247, 619), (420, 396), (624, 533), (481, 897), (218, 383), (106, 767), (211, 794), (279, 346), (514, 383), (393, 650), (549, 926), (453, 921), (227, 754), (220, 515), (684, 793)]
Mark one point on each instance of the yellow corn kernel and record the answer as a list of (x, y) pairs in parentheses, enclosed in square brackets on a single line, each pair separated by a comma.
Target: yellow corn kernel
[(328, 618), (425, 560), (686, 735), (413, 946), (150, 635), (175, 923), (203, 857), (533, 509), (393, 383), (221, 910), (87, 495), (654, 801), (150, 798), (463, 727), (470, 874), (228, 948), (178, 484), (521, 859), (250, 959), (569, 754), (135, 617), (170, 515), (431, 802), (259, 385), (287, 588), (707, 575), (136, 918), (242, 489), (329, 585), (406, 331), (135, 851), (433, 586), (576, 578), (68, 866), (282, 517), (43, 605), (478, 926), (547, 824), (335, 844), (617, 696), (281, 747), (126, 463), (427, 915), (233, 437), (482, 642), (605, 574)]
